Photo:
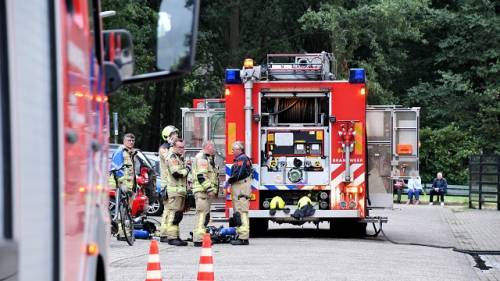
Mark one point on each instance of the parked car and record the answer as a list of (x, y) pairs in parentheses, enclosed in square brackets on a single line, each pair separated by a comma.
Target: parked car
[(147, 174), (155, 196)]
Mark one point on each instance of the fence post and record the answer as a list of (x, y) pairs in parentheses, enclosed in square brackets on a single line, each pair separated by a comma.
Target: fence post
[(470, 182), (480, 182), (498, 183)]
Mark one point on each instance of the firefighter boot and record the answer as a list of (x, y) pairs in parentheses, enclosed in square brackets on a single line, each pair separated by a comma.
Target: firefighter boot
[(177, 242), (239, 242)]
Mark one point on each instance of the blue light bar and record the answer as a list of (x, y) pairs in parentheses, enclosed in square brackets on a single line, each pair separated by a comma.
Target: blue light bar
[(233, 76), (357, 75)]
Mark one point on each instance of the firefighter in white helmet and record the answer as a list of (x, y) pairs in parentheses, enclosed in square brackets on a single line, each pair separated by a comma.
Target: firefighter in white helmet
[(205, 186), (174, 174), (241, 190)]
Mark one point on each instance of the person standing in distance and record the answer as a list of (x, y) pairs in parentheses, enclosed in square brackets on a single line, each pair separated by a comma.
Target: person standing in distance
[(241, 190), (205, 186)]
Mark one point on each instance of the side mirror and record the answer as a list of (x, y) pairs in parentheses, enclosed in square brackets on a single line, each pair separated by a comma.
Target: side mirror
[(177, 30), (176, 35), (118, 49), (113, 80)]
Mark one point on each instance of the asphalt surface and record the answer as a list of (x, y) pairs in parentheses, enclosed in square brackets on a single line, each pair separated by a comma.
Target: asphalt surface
[(306, 253)]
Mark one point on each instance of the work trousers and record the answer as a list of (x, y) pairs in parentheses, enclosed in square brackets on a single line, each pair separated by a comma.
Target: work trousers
[(413, 192), (240, 196), (434, 192), (203, 202), (174, 203)]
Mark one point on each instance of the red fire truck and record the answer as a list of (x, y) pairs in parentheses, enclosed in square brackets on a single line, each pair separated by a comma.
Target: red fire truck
[(305, 132), (57, 67)]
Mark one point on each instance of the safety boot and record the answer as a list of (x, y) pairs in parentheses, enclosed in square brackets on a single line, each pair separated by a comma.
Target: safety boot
[(121, 238), (164, 239), (197, 244), (238, 242), (177, 242)]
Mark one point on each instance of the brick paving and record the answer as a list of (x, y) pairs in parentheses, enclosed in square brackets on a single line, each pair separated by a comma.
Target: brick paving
[(453, 226), (477, 230), (304, 253)]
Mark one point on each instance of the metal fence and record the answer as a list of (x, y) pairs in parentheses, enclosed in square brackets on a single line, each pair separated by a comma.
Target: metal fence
[(484, 184)]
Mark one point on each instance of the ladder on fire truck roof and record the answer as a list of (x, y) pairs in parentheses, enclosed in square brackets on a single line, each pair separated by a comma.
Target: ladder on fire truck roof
[(318, 66)]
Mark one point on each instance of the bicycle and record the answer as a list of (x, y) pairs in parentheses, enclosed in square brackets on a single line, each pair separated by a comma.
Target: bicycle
[(120, 215)]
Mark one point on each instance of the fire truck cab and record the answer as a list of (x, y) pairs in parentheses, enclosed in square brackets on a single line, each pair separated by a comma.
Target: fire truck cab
[(57, 68), (305, 133)]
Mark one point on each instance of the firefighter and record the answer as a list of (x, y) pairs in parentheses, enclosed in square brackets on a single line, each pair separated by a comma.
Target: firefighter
[(122, 172), (169, 134), (174, 173), (241, 190), (205, 186)]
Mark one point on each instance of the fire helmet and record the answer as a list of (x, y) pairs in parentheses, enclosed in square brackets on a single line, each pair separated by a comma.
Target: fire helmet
[(277, 203), (167, 131), (305, 200)]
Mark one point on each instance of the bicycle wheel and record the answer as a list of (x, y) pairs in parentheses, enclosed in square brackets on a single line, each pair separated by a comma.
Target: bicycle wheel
[(127, 222), (113, 215)]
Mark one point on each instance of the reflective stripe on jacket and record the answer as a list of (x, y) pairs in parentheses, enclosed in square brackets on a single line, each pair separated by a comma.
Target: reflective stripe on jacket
[(176, 174), (204, 173)]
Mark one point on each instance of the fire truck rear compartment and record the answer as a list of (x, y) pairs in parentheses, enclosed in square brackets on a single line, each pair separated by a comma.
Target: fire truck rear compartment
[(292, 109)]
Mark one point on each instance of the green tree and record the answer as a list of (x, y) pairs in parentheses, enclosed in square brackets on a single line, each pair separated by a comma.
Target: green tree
[(467, 63), (370, 34), (446, 150), (144, 109)]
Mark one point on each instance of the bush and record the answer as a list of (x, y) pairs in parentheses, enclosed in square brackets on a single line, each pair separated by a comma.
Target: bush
[(446, 150)]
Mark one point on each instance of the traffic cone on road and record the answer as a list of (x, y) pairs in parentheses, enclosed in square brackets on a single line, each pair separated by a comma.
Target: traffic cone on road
[(206, 269), (153, 272)]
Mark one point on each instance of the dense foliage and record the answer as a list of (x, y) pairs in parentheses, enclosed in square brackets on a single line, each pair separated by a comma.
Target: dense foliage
[(443, 56)]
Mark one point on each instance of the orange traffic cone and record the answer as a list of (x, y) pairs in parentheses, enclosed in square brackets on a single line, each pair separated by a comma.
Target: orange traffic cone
[(153, 272), (206, 269)]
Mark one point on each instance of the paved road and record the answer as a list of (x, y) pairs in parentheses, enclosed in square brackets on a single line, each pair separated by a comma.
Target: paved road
[(305, 253)]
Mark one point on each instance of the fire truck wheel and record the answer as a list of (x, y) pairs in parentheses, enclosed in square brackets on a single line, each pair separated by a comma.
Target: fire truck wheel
[(258, 227), (347, 228)]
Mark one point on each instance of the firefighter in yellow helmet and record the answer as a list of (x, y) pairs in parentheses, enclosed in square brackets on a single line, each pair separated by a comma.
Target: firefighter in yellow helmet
[(241, 190), (205, 186), (169, 134), (122, 172), (174, 174)]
